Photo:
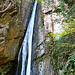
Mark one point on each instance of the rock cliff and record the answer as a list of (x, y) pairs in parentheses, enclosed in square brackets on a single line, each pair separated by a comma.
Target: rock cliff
[(13, 24)]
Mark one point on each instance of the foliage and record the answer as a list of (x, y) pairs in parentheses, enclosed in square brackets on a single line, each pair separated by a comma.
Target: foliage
[(72, 9), (69, 68), (63, 49), (69, 1), (69, 28), (4, 69), (67, 13)]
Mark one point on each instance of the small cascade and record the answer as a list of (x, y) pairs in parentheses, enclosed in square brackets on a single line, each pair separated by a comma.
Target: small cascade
[(24, 56)]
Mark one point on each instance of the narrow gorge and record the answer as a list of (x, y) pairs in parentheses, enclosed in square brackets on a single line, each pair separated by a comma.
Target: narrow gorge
[(37, 37)]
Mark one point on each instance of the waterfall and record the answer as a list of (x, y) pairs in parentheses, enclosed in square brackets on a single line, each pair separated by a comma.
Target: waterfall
[(26, 48)]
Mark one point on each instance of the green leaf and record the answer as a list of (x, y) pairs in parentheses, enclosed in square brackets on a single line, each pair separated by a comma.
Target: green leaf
[(72, 70)]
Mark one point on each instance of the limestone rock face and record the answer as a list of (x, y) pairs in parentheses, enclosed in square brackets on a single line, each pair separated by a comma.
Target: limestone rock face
[(12, 28), (40, 58), (52, 23), (42, 67)]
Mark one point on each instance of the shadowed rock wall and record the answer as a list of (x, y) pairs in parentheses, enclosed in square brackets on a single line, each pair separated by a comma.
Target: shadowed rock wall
[(12, 29)]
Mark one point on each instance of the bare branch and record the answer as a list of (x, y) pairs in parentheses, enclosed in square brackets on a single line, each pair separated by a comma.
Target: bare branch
[(6, 8)]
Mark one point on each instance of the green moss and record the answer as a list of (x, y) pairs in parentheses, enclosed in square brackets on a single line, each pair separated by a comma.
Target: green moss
[(41, 24)]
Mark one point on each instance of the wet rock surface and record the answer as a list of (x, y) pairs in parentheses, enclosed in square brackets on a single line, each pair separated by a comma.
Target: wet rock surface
[(40, 58), (41, 61), (12, 30)]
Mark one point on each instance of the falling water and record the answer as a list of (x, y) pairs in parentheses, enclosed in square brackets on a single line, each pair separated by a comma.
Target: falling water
[(26, 47)]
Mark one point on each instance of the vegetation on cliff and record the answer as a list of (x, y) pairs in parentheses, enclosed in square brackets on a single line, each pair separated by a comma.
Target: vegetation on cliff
[(62, 51)]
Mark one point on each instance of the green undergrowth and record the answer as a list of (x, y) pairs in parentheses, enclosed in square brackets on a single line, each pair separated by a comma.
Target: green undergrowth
[(67, 11), (9, 68), (5, 68), (62, 51)]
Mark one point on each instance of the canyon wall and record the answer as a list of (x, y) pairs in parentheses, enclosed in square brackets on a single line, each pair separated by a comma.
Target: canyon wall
[(13, 25)]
